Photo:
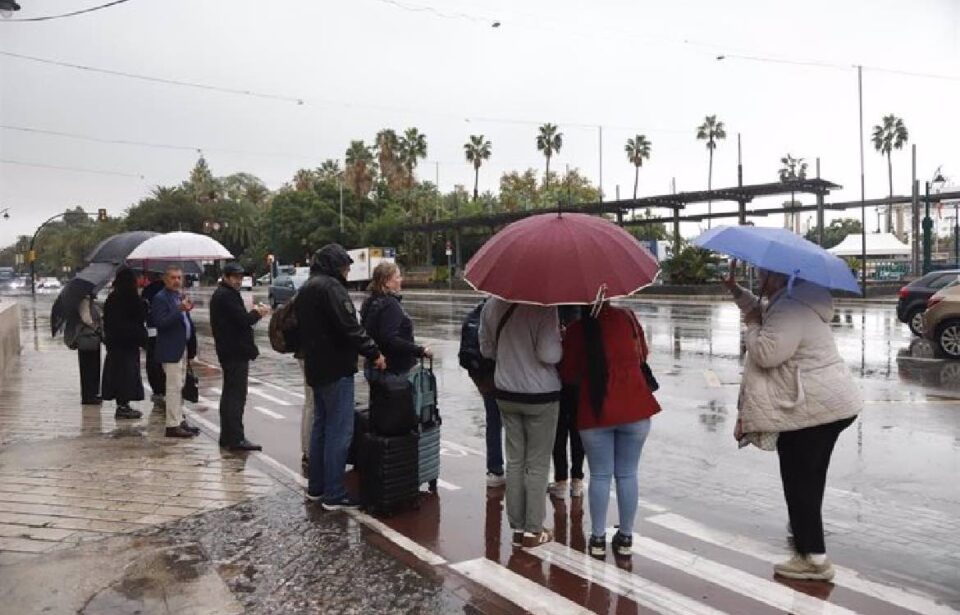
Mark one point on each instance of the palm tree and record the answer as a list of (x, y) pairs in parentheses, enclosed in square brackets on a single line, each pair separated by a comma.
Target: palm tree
[(388, 153), (360, 168), (711, 131), (477, 150), (303, 180), (793, 169), (637, 150), (329, 170), (413, 147), (890, 135), (549, 141)]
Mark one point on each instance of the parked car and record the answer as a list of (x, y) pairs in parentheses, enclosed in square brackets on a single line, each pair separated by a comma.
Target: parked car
[(246, 283), (49, 284), (941, 321), (285, 286), (914, 297), (263, 280)]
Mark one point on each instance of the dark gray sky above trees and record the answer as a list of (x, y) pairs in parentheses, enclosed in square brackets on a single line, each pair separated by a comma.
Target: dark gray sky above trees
[(362, 65)]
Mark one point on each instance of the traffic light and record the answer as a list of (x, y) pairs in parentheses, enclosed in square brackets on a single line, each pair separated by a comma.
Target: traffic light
[(101, 215)]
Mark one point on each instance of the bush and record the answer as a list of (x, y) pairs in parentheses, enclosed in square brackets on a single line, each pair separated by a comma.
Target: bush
[(692, 266)]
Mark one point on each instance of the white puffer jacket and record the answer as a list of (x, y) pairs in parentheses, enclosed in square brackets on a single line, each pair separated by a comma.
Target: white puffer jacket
[(793, 375)]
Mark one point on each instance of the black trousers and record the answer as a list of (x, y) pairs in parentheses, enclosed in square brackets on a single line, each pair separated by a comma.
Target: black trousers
[(89, 375), (567, 428), (804, 460), (155, 374), (232, 401)]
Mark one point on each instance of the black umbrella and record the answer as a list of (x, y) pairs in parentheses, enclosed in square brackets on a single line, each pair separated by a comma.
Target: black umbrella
[(116, 248), (67, 305)]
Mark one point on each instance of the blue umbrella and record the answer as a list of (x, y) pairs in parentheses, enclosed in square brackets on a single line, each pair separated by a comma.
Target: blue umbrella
[(780, 250)]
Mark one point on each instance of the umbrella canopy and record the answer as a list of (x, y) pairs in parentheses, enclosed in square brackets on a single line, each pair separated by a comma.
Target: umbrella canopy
[(97, 274), (67, 305), (783, 251), (189, 267), (179, 246), (115, 249), (555, 259)]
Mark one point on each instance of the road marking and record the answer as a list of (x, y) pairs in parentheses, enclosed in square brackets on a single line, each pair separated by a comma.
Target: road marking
[(271, 398), (519, 590), (846, 577), (461, 447), (270, 413), (713, 381), (642, 591), (448, 486)]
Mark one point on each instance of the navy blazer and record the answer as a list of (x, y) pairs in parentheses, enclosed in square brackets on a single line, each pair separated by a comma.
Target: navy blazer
[(166, 316)]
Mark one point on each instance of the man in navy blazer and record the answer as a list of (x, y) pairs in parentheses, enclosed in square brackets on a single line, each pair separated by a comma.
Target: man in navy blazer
[(170, 313)]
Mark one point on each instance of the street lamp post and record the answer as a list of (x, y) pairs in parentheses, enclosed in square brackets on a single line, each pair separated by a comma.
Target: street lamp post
[(928, 222)]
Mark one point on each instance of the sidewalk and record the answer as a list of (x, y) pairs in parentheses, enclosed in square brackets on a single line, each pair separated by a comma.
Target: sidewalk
[(101, 517)]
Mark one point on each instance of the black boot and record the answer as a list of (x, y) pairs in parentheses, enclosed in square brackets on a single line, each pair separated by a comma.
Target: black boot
[(126, 412)]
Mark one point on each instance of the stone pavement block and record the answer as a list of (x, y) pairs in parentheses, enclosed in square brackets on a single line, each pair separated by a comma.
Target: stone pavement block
[(25, 545), (33, 533)]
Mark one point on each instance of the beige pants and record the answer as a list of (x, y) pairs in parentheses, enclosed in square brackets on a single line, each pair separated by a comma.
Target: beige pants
[(175, 373), (306, 417)]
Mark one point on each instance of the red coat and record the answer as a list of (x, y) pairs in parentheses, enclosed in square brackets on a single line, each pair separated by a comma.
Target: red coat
[(629, 398)]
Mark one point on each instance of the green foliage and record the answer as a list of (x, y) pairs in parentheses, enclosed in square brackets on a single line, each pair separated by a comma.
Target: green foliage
[(692, 266), (836, 232)]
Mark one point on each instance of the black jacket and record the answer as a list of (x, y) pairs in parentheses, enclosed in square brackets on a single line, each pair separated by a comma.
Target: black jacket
[(390, 327), (232, 326), (123, 322), (330, 335)]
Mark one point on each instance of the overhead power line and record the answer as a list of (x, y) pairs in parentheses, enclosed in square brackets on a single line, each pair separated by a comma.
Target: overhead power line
[(74, 169), (71, 14)]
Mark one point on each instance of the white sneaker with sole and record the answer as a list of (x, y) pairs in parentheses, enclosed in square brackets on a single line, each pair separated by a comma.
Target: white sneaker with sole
[(802, 567), (495, 480)]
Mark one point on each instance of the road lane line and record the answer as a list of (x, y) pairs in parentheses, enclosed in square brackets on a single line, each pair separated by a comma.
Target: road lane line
[(448, 486), (846, 577), (462, 447), (748, 585), (271, 398), (519, 590), (270, 413), (644, 592)]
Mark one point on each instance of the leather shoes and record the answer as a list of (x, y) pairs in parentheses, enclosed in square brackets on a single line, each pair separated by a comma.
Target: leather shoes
[(190, 428), (245, 445), (179, 432)]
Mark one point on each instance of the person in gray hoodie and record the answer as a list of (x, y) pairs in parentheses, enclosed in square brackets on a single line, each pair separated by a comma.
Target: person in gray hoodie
[(524, 340), (796, 396)]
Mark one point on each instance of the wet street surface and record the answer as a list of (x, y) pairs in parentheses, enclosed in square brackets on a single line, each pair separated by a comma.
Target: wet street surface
[(712, 517)]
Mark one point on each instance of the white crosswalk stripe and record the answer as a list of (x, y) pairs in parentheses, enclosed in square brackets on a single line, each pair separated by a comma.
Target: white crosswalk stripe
[(519, 590), (756, 549)]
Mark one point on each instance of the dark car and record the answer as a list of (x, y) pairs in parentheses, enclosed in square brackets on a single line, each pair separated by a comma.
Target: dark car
[(284, 287), (914, 296)]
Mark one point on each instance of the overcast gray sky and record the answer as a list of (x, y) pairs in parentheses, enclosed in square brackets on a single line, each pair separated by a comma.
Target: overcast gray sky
[(362, 65)]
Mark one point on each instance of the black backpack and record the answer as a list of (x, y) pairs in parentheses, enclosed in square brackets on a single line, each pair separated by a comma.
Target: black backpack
[(469, 355)]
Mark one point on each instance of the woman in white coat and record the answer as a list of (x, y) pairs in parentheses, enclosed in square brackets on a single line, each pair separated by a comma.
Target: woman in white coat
[(796, 396)]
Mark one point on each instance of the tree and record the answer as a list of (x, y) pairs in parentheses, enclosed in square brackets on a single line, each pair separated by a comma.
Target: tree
[(329, 171), (388, 156), (201, 184), (638, 150), (360, 168), (836, 232), (549, 142), (710, 131), (890, 135), (303, 180), (691, 266), (413, 148), (244, 187), (477, 150), (519, 190), (167, 210), (793, 169)]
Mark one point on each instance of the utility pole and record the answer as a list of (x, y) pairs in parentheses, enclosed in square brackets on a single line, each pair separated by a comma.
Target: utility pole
[(600, 139), (863, 189)]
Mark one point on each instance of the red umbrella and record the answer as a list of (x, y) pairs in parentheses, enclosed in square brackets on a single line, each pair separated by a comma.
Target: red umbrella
[(554, 259)]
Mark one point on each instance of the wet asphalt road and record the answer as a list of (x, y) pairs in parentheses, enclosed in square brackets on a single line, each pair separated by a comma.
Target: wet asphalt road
[(892, 506)]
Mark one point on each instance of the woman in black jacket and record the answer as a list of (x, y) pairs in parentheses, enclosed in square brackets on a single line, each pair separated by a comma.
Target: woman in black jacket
[(125, 333), (385, 320)]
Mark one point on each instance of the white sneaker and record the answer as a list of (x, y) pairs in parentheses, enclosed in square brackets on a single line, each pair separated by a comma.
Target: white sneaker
[(559, 490), (495, 480), (576, 488), (802, 567)]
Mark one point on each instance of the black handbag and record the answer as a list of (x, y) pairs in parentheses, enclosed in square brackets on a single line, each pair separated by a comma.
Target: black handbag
[(191, 386), (642, 350)]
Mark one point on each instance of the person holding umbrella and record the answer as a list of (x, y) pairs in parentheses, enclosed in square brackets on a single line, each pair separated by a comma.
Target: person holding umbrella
[(232, 328), (797, 394), (124, 335), (170, 314)]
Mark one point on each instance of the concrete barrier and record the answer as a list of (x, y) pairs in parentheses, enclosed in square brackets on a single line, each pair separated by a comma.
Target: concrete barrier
[(9, 334)]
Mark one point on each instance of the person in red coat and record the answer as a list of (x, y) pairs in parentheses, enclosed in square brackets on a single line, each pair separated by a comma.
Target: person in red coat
[(603, 354)]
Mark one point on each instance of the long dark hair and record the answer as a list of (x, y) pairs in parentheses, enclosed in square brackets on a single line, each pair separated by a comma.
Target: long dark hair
[(596, 361), (125, 283)]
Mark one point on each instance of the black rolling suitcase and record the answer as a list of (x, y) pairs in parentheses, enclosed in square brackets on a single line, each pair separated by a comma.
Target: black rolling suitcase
[(361, 425), (388, 472), (423, 383)]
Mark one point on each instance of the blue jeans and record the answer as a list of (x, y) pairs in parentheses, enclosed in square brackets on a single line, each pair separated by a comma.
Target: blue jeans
[(330, 438), (614, 452), (494, 435)]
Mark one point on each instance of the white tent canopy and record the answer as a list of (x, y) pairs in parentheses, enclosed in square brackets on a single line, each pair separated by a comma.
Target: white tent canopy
[(878, 244)]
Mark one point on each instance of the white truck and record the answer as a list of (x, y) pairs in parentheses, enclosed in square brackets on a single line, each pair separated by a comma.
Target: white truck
[(365, 260)]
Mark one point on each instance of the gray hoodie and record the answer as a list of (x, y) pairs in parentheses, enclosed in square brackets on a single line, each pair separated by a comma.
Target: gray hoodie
[(528, 351)]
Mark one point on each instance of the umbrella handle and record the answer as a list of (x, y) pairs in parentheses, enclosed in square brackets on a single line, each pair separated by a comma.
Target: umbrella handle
[(598, 301)]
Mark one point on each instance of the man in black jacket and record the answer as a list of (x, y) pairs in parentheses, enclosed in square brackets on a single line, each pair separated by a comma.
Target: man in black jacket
[(232, 328), (330, 339)]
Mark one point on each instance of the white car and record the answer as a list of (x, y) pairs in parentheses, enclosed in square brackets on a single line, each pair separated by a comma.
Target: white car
[(246, 283), (49, 283)]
